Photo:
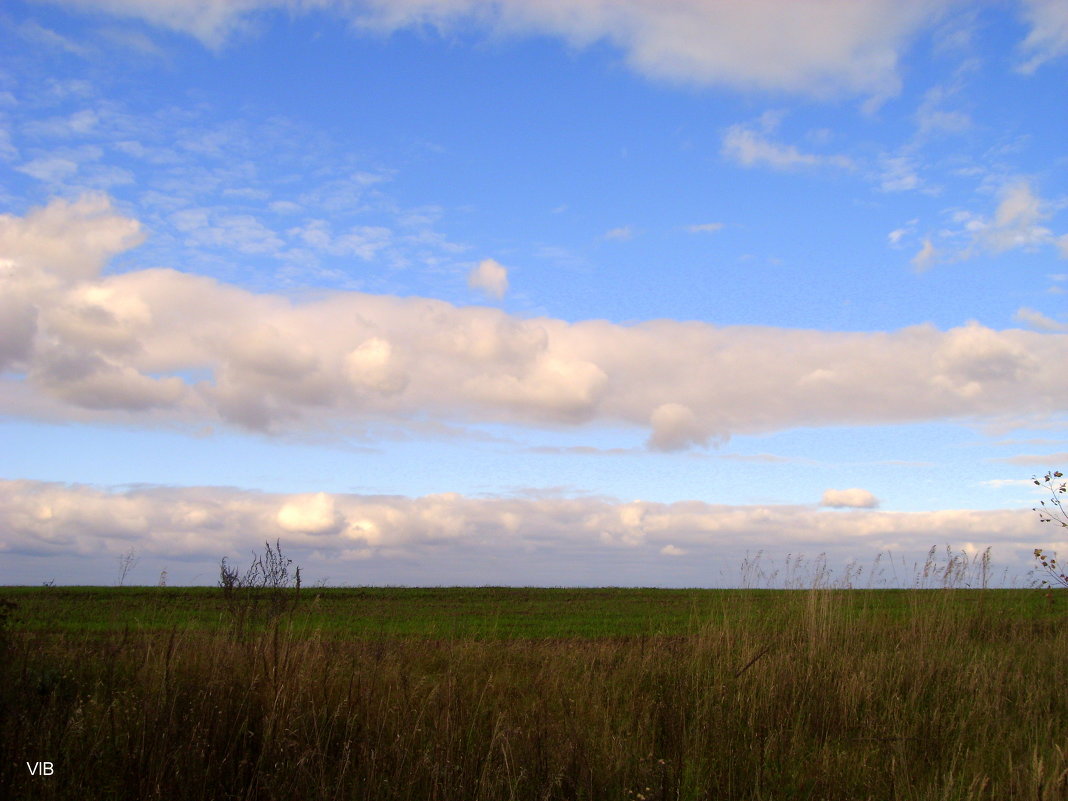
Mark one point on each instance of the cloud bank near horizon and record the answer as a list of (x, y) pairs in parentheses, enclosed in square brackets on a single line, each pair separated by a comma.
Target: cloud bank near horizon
[(159, 346), (190, 523)]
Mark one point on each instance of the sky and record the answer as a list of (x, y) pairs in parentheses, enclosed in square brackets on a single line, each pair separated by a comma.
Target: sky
[(529, 292)]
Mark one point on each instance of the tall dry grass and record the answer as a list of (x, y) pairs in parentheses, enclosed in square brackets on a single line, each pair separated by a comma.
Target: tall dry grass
[(943, 701)]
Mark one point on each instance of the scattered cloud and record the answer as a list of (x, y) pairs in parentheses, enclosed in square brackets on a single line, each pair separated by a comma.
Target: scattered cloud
[(1042, 460), (244, 233), (926, 257), (671, 550), (1015, 224), (1038, 321), (50, 169), (896, 236), (132, 40), (764, 458), (705, 228), (491, 277), (80, 122), (999, 483), (898, 174), (808, 47), (158, 344), (38, 34), (849, 499), (1048, 37), (363, 241), (204, 191), (580, 450), (8, 151), (621, 234), (933, 116), (752, 146)]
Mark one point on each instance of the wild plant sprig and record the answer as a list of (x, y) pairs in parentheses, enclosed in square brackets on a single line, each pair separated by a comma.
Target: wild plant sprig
[(1053, 512)]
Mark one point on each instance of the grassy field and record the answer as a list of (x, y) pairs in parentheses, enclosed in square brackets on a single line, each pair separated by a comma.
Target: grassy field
[(494, 693)]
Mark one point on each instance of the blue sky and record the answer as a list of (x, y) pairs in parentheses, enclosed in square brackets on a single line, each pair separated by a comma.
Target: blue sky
[(515, 292)]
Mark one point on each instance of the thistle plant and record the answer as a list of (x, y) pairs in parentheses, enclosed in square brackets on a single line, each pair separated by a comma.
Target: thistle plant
[(1053, 512)]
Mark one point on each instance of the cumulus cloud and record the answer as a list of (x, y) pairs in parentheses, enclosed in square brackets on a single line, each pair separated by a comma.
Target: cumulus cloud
[(491, 277), (313, 514), (816, 47), (67, 239), (675, 427), (191, 523), (849, 499), (160, 346)]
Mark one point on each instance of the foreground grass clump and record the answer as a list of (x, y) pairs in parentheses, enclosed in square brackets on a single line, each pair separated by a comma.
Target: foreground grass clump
[(818, 694)]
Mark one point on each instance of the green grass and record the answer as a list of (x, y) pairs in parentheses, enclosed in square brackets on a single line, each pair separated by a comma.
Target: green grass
[(494, 693), (495, 612)]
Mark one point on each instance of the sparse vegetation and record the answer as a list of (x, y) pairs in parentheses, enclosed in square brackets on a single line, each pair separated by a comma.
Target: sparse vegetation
[(127, 562), (1052, 512), (490, 693), (265, 592)]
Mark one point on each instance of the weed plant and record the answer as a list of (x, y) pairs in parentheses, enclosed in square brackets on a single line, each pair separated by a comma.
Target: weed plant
[(264, 593)]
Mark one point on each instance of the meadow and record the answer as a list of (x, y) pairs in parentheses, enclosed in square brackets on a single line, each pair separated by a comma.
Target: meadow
[(497, 693)]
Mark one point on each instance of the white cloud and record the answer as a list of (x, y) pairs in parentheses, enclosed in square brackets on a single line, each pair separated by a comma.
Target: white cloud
[(205, 523), (364, 241), (705, 228), (816, 47), (676, 427), (1016, 223), (621, 234), (1041, 460), (926, 256), (8, 151), (1038, 320), (1048, 38), (751, 147), (314, 514), (211, 21), (849, 499), (898, 174), (491, 277), (998, 483), (932, 117), (79, 123), (158, 345), (70, 240), (243, 233), (895, 236), (50, 169), (36, 33)]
